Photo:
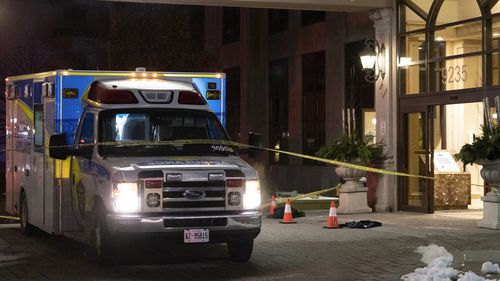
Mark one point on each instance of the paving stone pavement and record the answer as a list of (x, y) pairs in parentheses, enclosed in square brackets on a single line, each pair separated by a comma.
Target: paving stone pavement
[(303, 251)]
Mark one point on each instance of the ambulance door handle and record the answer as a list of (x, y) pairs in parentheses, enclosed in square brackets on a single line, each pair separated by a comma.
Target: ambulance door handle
[(100, 179)]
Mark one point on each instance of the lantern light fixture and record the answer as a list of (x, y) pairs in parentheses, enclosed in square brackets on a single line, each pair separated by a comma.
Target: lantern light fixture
[(372, 60)]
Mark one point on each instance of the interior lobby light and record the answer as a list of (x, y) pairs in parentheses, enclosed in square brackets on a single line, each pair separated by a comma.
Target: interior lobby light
[(372, 60), (404, 61)]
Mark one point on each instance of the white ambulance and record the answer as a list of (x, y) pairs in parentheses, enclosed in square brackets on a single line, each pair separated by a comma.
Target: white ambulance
[(110, 157)]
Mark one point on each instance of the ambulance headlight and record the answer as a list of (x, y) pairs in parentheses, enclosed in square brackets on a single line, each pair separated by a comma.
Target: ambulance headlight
[(125, 197), (251, 198)]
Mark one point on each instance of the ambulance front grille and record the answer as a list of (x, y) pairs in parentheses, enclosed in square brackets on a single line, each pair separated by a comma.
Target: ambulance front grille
[(194, 196)]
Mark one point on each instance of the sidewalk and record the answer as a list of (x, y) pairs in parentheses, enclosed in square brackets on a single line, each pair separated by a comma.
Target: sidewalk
[(302, 251), (455, 230)]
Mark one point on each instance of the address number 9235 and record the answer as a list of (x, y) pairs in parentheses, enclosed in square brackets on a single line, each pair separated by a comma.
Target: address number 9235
[(454, 74)]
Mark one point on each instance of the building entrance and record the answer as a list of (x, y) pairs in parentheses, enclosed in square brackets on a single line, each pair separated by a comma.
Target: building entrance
[(432, 136)]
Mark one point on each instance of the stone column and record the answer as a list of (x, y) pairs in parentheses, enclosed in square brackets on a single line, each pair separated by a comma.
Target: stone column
[(385, 107)]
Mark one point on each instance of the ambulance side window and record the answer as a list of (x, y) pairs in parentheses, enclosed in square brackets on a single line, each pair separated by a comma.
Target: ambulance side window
[(38, 116), (87, 133)]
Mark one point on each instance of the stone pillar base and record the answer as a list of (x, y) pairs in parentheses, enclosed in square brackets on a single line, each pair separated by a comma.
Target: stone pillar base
[(353, 199), (491, 212)]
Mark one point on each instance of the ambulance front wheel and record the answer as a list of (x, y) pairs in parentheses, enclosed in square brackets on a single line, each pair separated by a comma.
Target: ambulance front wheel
[(240, 250), (103, 243), (26, 228)]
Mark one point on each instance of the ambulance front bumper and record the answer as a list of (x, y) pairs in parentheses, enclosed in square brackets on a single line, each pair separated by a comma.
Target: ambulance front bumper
[(222, 227)]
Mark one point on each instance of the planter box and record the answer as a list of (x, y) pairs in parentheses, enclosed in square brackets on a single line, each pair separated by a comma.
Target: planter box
[(491, 212), (452, 191)]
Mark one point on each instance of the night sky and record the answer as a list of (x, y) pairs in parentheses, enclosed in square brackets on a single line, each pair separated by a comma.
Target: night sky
[(42, 35)]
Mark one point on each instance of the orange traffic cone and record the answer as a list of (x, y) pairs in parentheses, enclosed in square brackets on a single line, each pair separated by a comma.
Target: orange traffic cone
[(287, 216), (272, 206), (332, 217)]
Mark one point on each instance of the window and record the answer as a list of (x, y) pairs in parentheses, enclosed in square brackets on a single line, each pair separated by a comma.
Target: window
[(278, 109), (87, 133), (233, 102), (278, 21), (38, 116), (160, 125), (313, 102), (452, 11), (310, 17), (446, 48), (230, 25)]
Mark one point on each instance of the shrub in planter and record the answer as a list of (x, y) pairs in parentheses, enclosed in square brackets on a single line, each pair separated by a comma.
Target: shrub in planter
[(484, 147), (352, 149)]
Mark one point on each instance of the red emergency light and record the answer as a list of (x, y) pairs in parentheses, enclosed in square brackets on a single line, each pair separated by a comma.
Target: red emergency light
[(101, 93), (190, 97), (234, 183), (154, 183)]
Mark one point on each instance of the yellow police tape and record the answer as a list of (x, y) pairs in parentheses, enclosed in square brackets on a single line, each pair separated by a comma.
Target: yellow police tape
[(236, 144), (231, 143), (280, 200), (9, 218)]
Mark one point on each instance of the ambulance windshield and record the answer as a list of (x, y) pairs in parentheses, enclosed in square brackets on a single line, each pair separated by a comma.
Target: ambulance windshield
[(147, 132)]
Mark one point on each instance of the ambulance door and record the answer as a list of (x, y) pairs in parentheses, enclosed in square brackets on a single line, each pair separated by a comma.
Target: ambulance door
[(35, 174), (49, 114), (10, 198), (82, 180)]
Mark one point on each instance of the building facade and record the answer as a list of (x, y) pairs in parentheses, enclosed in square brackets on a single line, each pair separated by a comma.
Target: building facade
[(448, 54), (292, 73), (289, 76)]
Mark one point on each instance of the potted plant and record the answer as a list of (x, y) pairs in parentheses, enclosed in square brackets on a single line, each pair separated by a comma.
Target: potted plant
[(353, 149), (485, 151)]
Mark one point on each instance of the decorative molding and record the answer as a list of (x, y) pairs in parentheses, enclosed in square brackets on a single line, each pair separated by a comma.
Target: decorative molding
[(381, 15)]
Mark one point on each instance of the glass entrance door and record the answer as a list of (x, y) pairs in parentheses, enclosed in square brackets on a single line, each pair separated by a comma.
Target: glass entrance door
[(416, 194)]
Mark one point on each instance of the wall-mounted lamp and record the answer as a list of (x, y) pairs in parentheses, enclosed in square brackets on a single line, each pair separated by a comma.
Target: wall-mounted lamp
[(372, 60)]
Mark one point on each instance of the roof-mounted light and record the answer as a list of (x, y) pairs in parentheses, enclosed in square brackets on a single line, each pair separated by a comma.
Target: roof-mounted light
[(190, 97), (101, 93)]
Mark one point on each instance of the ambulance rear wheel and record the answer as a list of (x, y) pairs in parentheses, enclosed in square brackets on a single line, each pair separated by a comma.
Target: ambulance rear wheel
[(240, 250), (26, 228)]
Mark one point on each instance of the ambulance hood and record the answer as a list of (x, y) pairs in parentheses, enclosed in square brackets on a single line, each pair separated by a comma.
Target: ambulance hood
[(127, 169)]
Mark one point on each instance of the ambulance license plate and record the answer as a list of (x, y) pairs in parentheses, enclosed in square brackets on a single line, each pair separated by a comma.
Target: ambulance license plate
[(196, 235)]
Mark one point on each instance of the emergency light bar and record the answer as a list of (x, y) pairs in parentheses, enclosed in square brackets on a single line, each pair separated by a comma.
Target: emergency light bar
[(103, 94), (189, 97), (157, 96)]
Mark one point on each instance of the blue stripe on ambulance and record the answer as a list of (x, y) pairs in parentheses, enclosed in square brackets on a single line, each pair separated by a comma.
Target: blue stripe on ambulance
[(217, 106), (72, 108)]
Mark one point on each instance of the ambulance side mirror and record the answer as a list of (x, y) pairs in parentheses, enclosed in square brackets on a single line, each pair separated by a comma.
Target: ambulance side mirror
[(58, 148)]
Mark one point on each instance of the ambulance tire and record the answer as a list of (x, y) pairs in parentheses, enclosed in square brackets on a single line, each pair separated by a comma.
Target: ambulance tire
[(103, 242), (26, 228), (240, 250)]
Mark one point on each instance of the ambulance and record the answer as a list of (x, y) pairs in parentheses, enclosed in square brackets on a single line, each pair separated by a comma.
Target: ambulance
[(113, 157)]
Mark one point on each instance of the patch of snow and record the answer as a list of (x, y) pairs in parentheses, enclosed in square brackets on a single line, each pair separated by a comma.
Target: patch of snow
[(434, 255), (470, 276), (489, 267), (438, 268), (438, 262)]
